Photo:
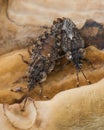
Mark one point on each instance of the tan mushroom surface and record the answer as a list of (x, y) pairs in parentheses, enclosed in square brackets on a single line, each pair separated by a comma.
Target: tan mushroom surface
[(74, 109)]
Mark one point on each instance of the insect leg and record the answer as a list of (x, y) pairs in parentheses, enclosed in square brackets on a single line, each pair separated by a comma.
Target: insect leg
[(78, 83), (89, 82), (25, 61), (25, 101), (60, 57)]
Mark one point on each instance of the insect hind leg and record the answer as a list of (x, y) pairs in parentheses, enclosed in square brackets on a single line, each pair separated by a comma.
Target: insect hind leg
[(78, 83), (88, 81)]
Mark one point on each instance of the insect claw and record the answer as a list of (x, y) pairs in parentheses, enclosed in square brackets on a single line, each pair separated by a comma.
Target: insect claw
[(25, 101)]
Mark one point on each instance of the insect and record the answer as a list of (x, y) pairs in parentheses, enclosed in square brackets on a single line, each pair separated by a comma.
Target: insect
[(63, 39), (72, 44)]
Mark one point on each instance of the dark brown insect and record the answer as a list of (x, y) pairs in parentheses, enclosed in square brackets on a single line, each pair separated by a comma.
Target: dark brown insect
[(45, 53), (73, 46), (61, 40)]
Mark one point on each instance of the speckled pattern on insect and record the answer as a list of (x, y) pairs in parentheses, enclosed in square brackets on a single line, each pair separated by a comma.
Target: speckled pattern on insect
[(63, 39)]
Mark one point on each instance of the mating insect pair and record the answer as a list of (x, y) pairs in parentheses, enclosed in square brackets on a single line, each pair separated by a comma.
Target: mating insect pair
[(62, 39)]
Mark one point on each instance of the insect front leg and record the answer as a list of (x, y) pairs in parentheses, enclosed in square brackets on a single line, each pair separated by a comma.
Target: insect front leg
[(25, 61), (88, 81), (24, 104), (59, 57), (77, 74)]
